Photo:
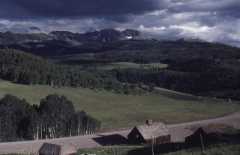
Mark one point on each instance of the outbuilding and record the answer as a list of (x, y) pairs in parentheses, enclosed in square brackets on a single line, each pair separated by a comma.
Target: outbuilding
[(211, 133), (150, 133)]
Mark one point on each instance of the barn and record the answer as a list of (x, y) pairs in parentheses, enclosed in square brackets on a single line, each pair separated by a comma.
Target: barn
[(50, 149), (209, 134), (150, 133)]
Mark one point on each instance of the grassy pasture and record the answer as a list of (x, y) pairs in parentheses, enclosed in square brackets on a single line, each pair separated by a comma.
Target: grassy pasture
[(131, 65), (119, 111), (221, 149)]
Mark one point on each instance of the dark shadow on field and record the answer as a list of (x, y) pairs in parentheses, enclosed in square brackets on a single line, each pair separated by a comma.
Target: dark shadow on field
[(107, 140)]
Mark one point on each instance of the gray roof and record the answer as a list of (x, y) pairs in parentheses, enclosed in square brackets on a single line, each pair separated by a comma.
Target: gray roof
[(153, 131), (69, 149), (215, 128), (50, 149)]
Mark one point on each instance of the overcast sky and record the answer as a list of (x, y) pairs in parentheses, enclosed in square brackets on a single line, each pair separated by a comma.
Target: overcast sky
[(211, 20)]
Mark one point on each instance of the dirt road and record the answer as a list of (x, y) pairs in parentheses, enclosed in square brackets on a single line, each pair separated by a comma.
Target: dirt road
[(71, 144)]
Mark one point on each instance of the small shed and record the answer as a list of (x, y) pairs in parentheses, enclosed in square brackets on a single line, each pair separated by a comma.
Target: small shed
[(50, 149), (210, 134), (150, 133)]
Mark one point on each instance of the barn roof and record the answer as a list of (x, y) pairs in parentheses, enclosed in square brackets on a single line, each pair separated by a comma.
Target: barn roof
[(69, 149), (153, 131), (48, 148), (216, 128)]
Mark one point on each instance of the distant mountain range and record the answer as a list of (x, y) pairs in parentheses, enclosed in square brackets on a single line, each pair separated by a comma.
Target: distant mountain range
[(105, 35), (64, 42), (60, 43)]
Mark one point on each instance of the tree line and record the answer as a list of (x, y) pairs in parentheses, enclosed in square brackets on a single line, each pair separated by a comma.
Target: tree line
[(24, 68), (54, 117), (199, 79)]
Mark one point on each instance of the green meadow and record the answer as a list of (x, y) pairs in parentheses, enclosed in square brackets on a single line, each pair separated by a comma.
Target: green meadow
[(122, 111)]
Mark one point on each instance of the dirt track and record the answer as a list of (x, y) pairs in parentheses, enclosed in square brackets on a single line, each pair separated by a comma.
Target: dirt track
[(71, 144)]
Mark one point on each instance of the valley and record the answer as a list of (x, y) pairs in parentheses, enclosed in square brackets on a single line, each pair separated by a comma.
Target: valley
[(110, 82), (128, 77)]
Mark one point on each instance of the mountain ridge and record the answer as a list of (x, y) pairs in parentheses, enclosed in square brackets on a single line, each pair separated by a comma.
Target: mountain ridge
[(105, 35)]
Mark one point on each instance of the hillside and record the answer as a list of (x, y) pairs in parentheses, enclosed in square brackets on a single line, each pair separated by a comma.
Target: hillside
[(24, 68), (108, 59), (118, 110)]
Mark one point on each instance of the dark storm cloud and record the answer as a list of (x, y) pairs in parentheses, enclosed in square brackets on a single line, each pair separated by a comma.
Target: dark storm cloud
[(75, 8), (210, 20), (223, 7)]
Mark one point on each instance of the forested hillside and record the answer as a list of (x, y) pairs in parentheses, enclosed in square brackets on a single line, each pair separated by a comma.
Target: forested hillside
[(200, 68), (23, 68)]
